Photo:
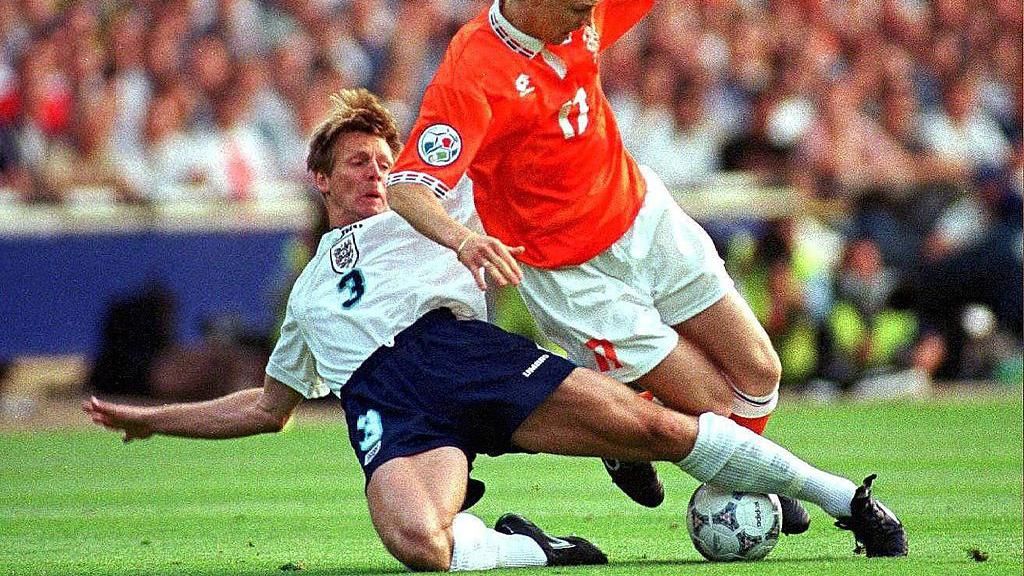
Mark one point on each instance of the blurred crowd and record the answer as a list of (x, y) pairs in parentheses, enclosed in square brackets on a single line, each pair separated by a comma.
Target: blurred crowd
[(899, 120), (154, 100)]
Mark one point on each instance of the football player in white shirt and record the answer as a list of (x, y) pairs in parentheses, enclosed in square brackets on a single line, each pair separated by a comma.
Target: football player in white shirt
[(391, 323)]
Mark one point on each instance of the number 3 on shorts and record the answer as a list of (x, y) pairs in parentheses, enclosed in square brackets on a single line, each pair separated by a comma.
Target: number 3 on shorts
[(370, 425)]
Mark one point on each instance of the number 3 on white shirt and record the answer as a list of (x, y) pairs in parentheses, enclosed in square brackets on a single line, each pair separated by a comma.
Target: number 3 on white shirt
[(579, 101)]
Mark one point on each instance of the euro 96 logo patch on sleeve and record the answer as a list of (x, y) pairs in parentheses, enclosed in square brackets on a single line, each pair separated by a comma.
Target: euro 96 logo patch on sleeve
[(439, 145)]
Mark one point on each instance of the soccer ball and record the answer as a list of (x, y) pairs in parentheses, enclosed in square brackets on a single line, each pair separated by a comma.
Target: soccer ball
[(727, 526)]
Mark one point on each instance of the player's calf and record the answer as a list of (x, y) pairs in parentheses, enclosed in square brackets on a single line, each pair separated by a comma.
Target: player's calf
[(418, 544), (638, 480)]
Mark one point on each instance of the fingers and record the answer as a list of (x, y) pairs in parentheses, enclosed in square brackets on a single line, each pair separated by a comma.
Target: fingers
[(99, 414), (501, 273), (478, 276), (89, 405), (106, 415), (102, 420), (94, 408), (488, 256), (91, 409), (506, 270)]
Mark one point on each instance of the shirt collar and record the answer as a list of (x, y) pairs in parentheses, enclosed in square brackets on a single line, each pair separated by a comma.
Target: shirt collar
[(517, 40)]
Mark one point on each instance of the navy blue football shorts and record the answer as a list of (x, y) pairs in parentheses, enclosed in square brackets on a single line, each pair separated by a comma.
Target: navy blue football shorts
[(447, 382)]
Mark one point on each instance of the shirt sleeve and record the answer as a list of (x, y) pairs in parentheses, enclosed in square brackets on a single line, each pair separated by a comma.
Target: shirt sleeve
[(613, 18), (292, 362), (446, 137)]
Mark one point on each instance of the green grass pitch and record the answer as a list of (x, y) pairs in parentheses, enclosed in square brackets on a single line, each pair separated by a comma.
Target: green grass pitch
[(80, 502)]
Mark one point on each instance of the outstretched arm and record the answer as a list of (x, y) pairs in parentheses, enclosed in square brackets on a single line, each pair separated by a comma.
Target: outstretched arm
[(417, 205), (242, 413)]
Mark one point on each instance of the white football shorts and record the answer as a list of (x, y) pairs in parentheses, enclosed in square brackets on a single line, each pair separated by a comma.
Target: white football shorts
[(615, 312)]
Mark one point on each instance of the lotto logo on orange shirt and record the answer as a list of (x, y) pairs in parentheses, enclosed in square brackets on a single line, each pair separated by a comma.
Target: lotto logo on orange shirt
[(439, 145)]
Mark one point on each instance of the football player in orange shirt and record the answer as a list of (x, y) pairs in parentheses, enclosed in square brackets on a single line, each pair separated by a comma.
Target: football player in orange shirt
[(610, 266)]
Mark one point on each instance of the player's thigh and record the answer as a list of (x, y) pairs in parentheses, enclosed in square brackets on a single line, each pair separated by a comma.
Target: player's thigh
[(687, 380), (593, 415), (414, 498), (695, 295), (731, 336)]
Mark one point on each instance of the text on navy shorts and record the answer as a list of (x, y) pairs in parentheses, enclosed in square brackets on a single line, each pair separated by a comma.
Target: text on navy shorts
[(446, 382)]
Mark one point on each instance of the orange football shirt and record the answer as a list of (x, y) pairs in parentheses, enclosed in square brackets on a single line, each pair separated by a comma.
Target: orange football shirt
[(530, 125)]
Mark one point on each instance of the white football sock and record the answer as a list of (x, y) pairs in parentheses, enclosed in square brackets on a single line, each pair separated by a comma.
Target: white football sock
[(732, 457), (749, 406), (477, 547)]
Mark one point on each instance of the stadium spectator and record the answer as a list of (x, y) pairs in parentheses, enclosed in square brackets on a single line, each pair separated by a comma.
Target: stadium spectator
[(973, 257), (865, 335), (646, 112), (232, 160), (277, 103), (962, 131), (683, 145), (238, 21), (162, 167), (414, 432), (127, 69), (755, 150), (899, 220), (41, 112), (214, 71), (850, 153), (81, 37), (85, 162), (762, 67)]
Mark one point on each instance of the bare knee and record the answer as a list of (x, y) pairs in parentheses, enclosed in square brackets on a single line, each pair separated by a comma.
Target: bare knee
[(703, 390), (419, 544), (760, 375)]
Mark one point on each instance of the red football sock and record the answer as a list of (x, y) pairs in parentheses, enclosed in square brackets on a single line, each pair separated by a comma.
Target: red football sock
[(756, 425)]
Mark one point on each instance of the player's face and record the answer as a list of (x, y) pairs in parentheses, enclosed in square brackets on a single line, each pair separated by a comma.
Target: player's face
[(355, 189), (557, 19)]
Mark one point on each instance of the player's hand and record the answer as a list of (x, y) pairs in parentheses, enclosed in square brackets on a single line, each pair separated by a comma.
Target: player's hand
[(125, 419), (485, 255)]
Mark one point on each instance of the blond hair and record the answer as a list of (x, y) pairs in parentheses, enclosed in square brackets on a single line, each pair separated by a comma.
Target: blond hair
[(352, 110)]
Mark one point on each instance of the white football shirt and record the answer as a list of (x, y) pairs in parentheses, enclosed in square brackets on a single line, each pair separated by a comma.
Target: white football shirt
[(367, 282)]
